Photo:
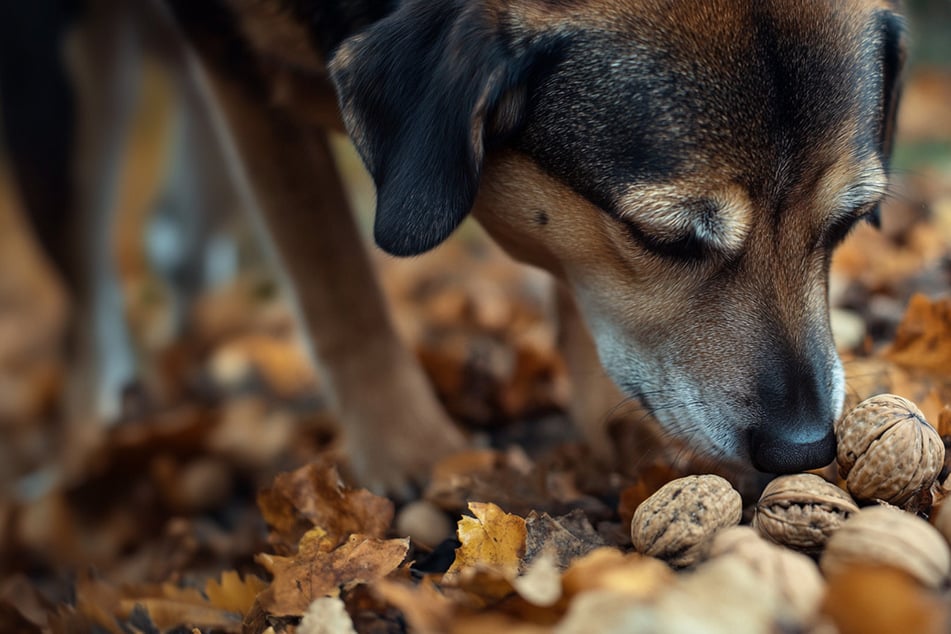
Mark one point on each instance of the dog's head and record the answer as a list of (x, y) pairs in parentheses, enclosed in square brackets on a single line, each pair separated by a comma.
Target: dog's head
[(686, 167)]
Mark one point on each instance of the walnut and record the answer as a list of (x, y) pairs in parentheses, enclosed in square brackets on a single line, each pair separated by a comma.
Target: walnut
[(887, 536), (794, 576), (675, 522), (801, 511), (887, 450)]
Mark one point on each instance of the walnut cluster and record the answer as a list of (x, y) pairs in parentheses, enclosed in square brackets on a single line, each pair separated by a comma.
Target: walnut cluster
[(888, 455)]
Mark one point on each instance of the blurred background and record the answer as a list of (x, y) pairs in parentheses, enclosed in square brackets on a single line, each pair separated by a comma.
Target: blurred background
[(143, 459)]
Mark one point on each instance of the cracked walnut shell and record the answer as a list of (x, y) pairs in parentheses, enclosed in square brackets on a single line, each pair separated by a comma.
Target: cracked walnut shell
[(675, 522), (887, 451), (801, 511), (887, 536)]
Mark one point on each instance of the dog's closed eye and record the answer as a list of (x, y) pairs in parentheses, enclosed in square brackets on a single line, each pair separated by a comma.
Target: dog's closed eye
[(842, 226), (668, 221)]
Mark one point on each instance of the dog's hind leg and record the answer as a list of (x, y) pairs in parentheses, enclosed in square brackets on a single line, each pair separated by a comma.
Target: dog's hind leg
[(66, 145)]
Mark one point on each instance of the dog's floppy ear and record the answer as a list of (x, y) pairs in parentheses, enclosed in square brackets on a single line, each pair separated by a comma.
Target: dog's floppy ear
[(422, 93), (894, 52)]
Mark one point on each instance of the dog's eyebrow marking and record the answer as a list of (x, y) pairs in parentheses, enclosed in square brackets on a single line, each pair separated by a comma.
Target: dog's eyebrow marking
[(718, 219), (845, 189)]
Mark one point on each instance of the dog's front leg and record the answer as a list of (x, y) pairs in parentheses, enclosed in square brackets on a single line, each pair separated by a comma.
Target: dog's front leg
[(393, 424)]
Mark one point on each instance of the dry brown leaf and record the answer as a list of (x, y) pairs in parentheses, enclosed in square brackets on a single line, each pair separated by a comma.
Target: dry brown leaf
[(923, 339), (566, 538), (870, 600), (319, 569), (492, 539), (233, 593), (315, 495)]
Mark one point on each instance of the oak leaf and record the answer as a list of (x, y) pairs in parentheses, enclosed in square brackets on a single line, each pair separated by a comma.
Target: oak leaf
[(319, 569), (233, 593)]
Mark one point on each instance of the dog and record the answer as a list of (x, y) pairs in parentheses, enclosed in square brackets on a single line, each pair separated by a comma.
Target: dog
[(684, 169)]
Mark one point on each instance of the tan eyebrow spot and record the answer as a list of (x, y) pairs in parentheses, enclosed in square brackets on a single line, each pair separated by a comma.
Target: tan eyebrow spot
[(848, 185), (673, 211)]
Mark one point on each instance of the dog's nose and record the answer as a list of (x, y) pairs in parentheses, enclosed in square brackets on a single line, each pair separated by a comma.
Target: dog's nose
[(784, 448), (794, 432)]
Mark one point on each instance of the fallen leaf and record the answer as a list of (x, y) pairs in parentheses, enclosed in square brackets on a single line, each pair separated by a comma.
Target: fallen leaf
[(233, 593), (565, 538), (315, 495), (492, 539), (923, 339), (318, 569)]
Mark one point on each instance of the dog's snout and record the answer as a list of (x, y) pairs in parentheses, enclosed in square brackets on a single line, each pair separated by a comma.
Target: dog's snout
[(795, 429), (782, 447)]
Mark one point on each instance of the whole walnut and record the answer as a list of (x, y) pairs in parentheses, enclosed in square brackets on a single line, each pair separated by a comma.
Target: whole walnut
[(801, 511), (794, 576), (675, 522), (887, 536), (887, 451)]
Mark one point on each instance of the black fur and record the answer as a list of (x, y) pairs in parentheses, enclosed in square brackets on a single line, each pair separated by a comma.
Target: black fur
[(39, 120), (418, 98)]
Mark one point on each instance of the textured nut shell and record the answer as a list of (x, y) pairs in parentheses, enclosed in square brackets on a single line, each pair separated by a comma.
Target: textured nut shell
[(883, 535), (675, 522), (801, 511), (794, 576), (886, 450)]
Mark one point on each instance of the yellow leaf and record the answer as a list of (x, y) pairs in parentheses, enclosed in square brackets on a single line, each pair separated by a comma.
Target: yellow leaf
[(233, 593), (493, 539)]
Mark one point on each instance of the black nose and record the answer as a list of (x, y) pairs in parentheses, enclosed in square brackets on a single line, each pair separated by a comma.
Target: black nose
[(794, 431), (784, 448)]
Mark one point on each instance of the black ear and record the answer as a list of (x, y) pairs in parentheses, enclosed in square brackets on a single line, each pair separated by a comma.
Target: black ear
[(894, 52), (422, 94)]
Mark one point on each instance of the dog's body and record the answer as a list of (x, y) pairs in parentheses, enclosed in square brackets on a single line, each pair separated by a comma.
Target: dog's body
[(684, 168)]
